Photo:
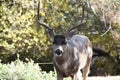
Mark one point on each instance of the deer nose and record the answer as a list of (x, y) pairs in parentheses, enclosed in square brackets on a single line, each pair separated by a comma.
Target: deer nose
[(58, 52)]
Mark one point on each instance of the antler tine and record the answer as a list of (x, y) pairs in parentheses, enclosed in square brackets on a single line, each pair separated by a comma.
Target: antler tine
[(44, 25), (50, 30), (82, 22), (41, 23)]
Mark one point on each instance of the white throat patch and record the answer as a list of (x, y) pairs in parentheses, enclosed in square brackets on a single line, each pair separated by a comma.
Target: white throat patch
[(75, 53)]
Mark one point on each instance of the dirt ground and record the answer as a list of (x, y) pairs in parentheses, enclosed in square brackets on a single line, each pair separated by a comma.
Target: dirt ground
[(104, 78)]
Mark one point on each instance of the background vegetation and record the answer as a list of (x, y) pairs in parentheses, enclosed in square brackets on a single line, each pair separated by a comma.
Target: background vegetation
[(20, 33)]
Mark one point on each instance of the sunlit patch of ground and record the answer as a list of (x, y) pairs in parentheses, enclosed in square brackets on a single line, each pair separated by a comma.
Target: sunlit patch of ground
[(100, 78), (104, 78)]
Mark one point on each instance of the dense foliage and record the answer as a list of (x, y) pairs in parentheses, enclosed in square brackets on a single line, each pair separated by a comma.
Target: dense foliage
[(20, 33)]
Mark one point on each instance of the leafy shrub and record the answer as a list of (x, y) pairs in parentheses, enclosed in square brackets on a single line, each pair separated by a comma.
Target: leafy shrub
[(19, 70)]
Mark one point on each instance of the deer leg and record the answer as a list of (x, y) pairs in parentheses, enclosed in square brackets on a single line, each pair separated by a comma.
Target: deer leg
[(86, 69), (59, 77), (77, 76)]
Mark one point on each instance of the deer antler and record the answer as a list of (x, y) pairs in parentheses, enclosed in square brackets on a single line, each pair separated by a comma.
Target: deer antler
[(82, 22), (50, 30)]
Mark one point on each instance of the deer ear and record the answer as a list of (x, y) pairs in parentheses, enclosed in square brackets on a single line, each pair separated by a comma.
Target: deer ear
[(65, 34), (71, 33), (51, 33), (68, 34)]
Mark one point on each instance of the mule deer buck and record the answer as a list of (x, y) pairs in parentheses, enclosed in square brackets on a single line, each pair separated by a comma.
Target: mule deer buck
[(71, 54)]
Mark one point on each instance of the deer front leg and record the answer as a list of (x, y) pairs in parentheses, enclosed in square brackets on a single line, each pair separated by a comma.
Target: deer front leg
[(77, 76), (59, 77), (86, 69)]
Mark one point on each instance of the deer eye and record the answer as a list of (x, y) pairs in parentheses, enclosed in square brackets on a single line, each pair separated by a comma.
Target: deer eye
[(64, 43), (54, 42)]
